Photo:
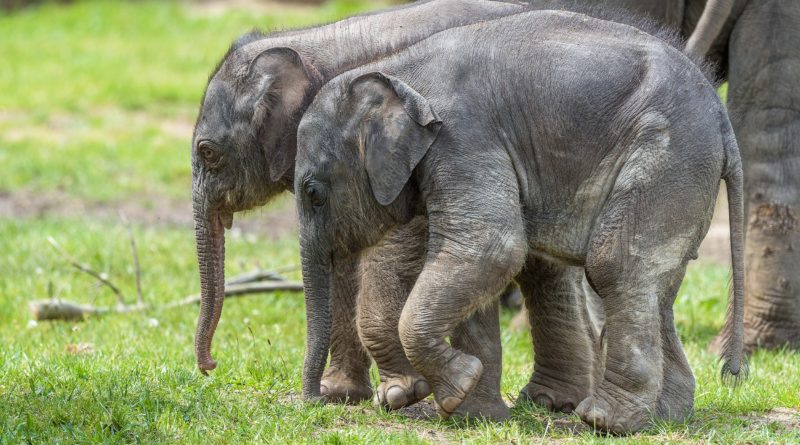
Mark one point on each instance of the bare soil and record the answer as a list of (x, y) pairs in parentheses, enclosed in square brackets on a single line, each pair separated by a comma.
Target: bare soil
[(276, 222), (218, 7), (273, 223)]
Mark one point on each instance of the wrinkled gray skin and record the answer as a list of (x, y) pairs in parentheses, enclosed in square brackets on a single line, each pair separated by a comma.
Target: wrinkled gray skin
[(243, 153), (521, 158), (566, 320), (758, 51)]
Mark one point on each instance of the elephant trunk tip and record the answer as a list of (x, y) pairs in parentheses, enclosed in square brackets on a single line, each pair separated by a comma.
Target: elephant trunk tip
[(206, 365), (205, 362)]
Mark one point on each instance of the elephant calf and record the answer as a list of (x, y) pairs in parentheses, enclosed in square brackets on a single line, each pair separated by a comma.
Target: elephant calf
[(592, 145)]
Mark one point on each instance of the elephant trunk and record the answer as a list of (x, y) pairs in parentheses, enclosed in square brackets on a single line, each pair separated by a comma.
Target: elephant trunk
[(210, 235), (713, 19), (316, 282)]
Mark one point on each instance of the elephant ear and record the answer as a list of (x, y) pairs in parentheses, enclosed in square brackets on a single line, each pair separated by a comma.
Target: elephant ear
[(397, 132), (279, 83)]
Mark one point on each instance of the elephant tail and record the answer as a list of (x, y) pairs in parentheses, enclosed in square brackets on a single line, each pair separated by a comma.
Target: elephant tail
[(734, 364), (713, 19)]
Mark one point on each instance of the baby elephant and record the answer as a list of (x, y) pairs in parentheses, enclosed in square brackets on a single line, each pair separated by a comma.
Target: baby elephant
[(592, 144)]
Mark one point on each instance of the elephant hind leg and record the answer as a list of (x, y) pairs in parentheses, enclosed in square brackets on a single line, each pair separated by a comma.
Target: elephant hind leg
[(479, 336), (563, 342), (676, 401), (636, 260)]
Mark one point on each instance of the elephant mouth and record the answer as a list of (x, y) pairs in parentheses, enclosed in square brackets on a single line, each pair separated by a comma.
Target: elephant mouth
[(225, 219)]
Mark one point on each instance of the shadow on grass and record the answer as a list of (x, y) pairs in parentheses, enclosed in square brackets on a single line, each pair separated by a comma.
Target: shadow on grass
[(536, 421)]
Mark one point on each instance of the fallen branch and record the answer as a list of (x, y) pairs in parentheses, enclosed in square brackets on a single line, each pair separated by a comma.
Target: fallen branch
[(57, 309), (253, 277), (238, 290)]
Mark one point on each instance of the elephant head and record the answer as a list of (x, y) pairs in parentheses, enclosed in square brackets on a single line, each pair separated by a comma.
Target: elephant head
[(243, 149), (357, 149)]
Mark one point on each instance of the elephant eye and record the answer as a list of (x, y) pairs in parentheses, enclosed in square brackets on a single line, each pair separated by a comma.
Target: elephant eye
[(208, 153), (316, 193)]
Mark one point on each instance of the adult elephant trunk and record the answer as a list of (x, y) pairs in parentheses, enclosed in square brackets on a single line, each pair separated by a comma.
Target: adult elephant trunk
[(711, 22), (317, 287), (210, 236)]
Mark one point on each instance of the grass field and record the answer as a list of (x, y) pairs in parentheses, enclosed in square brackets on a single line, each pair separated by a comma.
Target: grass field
[(96, 111)]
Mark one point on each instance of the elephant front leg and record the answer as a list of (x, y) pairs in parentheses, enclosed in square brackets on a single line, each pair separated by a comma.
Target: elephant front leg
[(388, 273), (347, 377), (455, 282), (565, 344)]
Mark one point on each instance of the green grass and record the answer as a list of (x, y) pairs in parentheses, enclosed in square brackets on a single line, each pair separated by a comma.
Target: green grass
[(99, 98), (97, 105), (137, 381)]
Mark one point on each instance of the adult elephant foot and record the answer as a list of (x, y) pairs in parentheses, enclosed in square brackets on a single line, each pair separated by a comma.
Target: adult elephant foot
[(398, 392), (619, 415), (337, 387), (553, 394)]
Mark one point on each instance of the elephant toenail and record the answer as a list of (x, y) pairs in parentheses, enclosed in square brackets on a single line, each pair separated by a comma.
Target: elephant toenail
[(324, 390), (421, 389), (450, 404), (567, 408), (543, 400), (396, 397)]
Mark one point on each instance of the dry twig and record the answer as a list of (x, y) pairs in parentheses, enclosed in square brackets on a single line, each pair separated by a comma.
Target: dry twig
[(136, 269), (87, 270)]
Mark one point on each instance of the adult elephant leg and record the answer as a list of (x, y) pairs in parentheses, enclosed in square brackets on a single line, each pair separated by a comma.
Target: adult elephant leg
[(388, 273), (564, 344), (347, 377), (764, 101)]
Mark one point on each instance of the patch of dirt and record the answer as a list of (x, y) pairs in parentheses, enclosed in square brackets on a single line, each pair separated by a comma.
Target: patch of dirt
[(80, 349), (422, 410), (787, 418), (215, 8), (60, 125), (274, 223)]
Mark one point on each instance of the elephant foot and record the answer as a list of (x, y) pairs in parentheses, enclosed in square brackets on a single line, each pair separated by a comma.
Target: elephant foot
[(607, 415), (399, 392), (494, 409), (458, 378), (337, 387), (675, 406), (554, 395), (676, 401)]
